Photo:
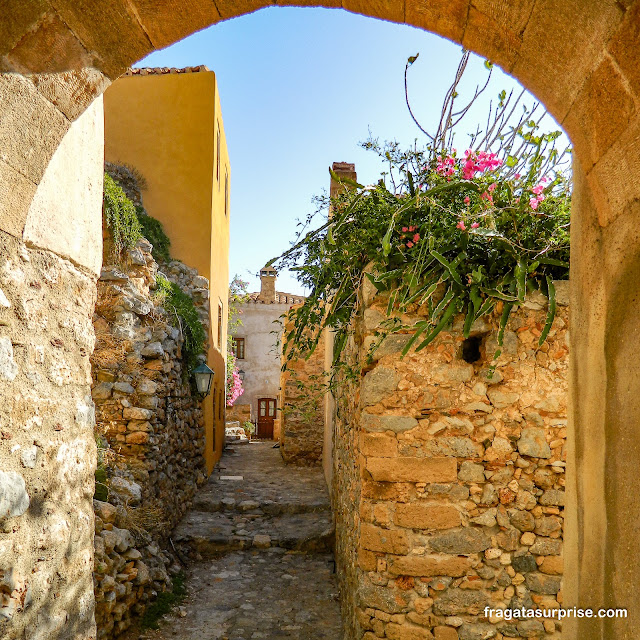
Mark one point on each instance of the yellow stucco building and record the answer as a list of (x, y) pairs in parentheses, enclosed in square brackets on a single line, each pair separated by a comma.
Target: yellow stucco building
[(167, 123)]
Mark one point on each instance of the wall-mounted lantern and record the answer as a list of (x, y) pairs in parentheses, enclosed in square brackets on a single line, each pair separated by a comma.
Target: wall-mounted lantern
[(241, 375), (204, 377)]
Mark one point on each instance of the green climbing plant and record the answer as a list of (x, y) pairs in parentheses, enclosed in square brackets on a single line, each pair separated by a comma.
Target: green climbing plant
[(185, 316), (154, 232), (120, 216)]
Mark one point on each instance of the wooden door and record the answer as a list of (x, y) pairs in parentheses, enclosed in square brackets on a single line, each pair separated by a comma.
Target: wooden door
[(266, 416)]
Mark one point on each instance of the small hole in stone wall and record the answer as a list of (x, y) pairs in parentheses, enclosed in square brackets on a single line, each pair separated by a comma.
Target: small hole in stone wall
[(471, 349)]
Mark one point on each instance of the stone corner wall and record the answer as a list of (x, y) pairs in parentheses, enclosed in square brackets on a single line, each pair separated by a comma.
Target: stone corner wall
[(48, 451), (449, 480), (301, 415), (240, 412)]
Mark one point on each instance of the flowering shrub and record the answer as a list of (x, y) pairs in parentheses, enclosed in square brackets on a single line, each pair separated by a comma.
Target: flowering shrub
[(468, 233), (237, 295), (234, 386)]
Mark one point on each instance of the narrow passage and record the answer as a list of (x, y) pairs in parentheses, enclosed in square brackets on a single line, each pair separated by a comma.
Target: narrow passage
[(259, 541)]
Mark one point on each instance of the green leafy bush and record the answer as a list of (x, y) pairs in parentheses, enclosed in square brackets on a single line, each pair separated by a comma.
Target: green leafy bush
[(185, 316), (249, 428), (153, 231), (442, 231), (120, 216)]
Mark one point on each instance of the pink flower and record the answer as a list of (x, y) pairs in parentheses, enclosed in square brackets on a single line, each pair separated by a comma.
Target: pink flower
[(538, 196), (486, 196), (404, 229), (412, 229), (461, 226), (517, 176), (467, 199), (409, 244), (234, 387), (492, 187), (416, 238), (480, 162), (445, 167), (475, 225)]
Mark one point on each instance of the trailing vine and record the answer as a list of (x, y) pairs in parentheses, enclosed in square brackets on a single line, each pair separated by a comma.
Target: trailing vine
[(154, 232), (120, 216), (185, 316), (443, 231)]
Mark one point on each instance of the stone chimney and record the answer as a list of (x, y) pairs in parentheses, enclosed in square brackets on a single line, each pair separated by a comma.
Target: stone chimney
[(267, 285), (342, 170)]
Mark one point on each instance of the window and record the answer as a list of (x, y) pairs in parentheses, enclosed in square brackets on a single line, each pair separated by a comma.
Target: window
[(220, 325), (226, 192), (238, 348), (218, 154), (220, 405)]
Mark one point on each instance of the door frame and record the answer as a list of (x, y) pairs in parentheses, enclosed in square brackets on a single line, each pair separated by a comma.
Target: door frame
[(269, 419)]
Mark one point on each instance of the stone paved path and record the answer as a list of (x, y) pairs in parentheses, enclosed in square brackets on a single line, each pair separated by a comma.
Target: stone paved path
[(260, 549), (288, 504)]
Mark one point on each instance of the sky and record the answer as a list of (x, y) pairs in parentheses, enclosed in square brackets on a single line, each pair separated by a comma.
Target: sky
[(300, 88)]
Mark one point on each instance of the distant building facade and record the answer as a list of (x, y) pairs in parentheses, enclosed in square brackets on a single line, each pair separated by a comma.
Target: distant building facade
[(167, 124), (257, 344)]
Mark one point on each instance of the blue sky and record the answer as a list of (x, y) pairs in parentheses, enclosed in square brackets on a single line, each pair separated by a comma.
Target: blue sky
[(299, 89)]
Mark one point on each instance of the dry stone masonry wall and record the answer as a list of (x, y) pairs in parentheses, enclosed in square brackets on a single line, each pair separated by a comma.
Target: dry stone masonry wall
[(154, 427), (449, 479), (130, 569), (48, 453), (302, 387)]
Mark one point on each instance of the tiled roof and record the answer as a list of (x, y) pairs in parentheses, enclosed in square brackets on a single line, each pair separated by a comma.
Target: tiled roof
[(159, 71), (281, 298)]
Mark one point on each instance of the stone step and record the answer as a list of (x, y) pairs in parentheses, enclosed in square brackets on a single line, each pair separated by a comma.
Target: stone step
[(211, 534), (213, 503)]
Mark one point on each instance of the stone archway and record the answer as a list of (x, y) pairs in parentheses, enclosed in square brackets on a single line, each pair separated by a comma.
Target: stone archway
[(580, 57)]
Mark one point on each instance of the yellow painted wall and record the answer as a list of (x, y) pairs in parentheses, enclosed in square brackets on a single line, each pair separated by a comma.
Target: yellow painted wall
[(165, 126)]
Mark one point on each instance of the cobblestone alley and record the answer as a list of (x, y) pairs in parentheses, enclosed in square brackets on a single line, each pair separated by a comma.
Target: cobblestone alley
[(259, 542)]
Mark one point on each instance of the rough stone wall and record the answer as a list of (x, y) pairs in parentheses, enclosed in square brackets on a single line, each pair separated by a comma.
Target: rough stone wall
[(302, 389), (48, 450), (239, 412), (454, 497), (346, 493), (144, 404), (130, 569), (154, 427)]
